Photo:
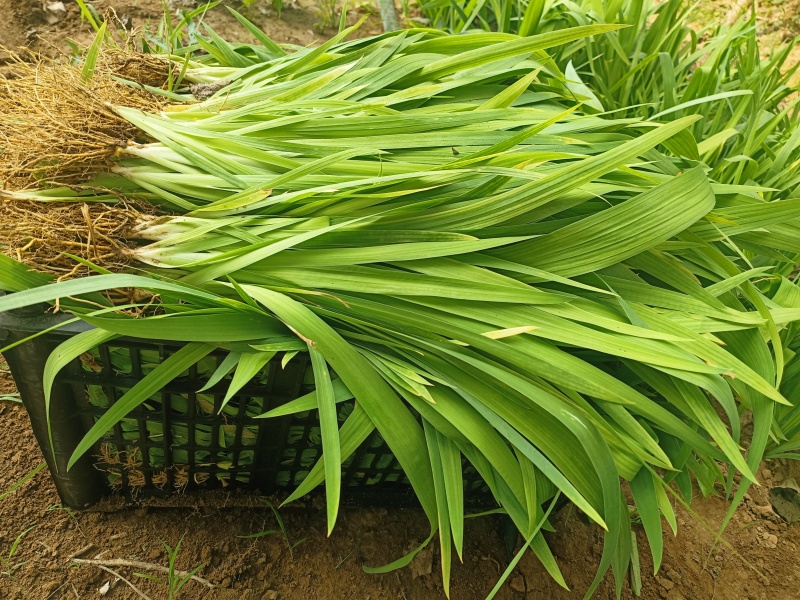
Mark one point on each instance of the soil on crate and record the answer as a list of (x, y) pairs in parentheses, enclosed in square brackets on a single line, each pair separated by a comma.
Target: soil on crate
[(757, 559)]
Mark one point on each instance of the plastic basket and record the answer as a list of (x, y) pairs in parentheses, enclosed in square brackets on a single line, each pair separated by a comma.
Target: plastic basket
[(179, 439)]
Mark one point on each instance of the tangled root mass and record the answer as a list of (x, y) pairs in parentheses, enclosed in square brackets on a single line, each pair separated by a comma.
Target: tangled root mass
[(41, 235), (57, 126)]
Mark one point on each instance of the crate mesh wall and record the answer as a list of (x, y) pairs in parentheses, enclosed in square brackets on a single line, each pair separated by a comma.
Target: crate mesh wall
[(182, 438)]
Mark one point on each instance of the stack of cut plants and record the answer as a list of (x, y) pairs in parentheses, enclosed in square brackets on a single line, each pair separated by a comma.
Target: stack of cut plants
[(565, 260)]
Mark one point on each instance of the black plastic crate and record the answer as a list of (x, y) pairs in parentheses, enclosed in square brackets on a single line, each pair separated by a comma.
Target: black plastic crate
[(176, 440)]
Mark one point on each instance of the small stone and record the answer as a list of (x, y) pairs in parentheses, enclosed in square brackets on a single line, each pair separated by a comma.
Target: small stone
[(518, 584), (667, 584), (49, 587), (772, 541), (270, 595), (273, 552), (763, 511), (422, 564), (226, 583), (204, 91), (55, 12)]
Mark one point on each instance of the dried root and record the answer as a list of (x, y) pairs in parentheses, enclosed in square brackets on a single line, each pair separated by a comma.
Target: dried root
[(137, 67), (113, 463), (181, 478), (57, 126), (40, 234)]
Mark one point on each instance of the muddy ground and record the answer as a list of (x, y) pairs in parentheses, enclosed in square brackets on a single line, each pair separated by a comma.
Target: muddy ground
[(758, 558)]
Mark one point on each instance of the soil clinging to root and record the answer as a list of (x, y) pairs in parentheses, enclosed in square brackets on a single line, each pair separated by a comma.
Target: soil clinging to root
[(43, 235)]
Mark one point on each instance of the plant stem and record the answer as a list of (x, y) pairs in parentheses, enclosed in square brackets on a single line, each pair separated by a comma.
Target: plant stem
[(120, 562)]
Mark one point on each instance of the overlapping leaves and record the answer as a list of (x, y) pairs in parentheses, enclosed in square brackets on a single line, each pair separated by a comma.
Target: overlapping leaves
[(495, 275)]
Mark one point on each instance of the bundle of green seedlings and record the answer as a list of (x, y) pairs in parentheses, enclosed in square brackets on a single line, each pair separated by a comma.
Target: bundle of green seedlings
[(670, 63), (493, 272)]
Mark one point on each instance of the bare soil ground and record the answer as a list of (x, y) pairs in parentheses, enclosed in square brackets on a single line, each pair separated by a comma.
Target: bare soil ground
[(757, 560)]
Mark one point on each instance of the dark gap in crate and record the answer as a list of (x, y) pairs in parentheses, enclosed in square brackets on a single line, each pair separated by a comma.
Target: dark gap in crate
[(263, 454)]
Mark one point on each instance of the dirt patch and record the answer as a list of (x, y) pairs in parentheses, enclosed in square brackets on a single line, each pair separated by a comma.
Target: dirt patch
[(25, 22), (777, 22)]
